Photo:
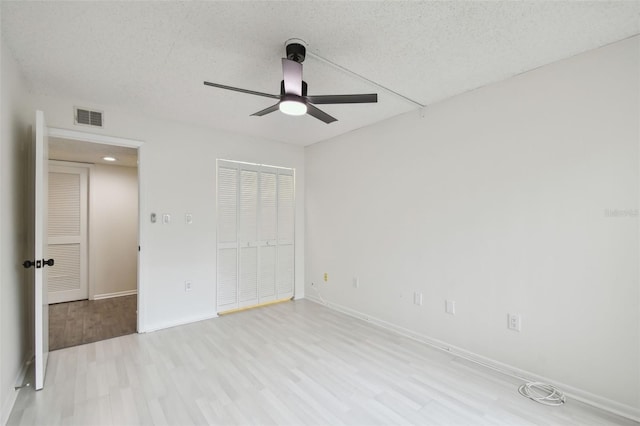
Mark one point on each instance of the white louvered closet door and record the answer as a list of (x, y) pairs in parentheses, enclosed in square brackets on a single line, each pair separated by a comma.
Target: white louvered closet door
[(286, 234), (268, 234), (255, 234), (227, 271), (67, 233), (248, 230)]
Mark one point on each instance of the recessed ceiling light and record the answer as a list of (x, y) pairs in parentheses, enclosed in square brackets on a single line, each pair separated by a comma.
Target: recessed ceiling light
[(109, 158)]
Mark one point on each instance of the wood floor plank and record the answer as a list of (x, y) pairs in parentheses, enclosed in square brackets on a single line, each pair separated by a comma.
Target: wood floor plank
[(85, 321), (295, 363)]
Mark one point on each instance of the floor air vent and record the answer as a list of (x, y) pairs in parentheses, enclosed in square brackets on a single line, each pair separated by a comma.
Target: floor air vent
[(88, 117)]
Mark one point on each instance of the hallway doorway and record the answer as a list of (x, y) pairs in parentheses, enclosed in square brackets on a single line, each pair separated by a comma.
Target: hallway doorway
[(94, 282)]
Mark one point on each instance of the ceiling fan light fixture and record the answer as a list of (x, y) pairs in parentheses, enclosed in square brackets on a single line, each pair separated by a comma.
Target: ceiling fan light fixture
[(293, 99), (292, 106)]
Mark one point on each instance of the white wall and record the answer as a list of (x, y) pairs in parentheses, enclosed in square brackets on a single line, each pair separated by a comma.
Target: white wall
[(113, 236), (178, 175), (14, 334), (496, 199)]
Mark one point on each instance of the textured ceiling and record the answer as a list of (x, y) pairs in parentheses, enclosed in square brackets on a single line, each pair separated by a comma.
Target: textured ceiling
[(154, 56), (92, 153)]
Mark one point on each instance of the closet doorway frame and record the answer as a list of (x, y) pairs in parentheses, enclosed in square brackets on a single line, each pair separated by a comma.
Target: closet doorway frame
[(88, 137)]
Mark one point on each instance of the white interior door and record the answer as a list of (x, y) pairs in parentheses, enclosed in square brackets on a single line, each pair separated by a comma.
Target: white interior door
[(67, 233), (41, 307)]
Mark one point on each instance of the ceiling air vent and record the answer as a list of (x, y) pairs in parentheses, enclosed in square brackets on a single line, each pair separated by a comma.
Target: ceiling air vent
[(88, 117)]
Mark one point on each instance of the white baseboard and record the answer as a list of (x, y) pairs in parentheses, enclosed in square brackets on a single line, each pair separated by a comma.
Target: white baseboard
[(184, 321), (116, 294), (526, 376), (10, 399)]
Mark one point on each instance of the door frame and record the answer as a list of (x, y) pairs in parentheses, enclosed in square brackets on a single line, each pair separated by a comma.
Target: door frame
[(129, 143)]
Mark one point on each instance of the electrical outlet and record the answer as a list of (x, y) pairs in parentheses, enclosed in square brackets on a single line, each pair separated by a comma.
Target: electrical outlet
[(450, 307), (417, 298), (326, 277), (514, 322), (187, 286), (356, 282)]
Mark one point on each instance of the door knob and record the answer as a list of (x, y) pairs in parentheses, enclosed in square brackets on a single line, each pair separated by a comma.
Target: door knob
[(38, 263)]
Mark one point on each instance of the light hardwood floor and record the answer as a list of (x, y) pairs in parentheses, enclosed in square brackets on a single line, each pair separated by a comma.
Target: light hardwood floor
[(295, 363)]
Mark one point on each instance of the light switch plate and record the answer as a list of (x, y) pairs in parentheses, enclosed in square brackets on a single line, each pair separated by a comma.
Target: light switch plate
[(450, 307), (417, 298), (514, 322)]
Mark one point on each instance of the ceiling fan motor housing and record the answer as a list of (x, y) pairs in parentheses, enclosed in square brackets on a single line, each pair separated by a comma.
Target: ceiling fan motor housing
[(304, 88), (296, 52)]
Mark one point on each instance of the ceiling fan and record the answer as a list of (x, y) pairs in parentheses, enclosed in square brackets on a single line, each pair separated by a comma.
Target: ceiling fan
[(293, 98)]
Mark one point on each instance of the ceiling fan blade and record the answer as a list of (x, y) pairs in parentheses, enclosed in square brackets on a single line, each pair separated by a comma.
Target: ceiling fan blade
[(319, 114), (344, 99), (236, 89), (266, 111), (292, 76)]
